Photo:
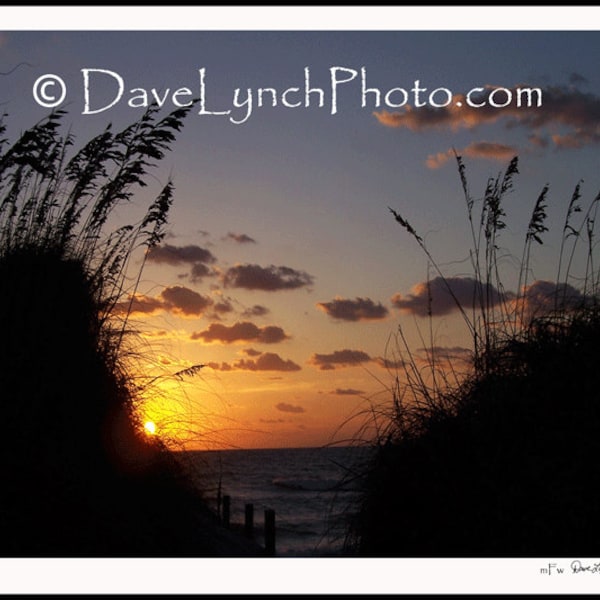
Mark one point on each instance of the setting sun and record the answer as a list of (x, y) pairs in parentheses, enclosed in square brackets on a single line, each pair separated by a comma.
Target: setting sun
[(150, 427)]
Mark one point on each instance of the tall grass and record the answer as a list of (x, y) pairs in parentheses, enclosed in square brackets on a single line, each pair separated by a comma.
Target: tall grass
[(481, 463), (78, 476)]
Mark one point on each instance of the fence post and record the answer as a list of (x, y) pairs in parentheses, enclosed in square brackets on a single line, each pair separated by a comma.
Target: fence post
[(249, 521), (270, 532), (226, 510)]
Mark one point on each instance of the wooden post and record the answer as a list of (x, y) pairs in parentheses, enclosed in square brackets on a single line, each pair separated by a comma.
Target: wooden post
[(226, 510), (249, 521), (270, 532)]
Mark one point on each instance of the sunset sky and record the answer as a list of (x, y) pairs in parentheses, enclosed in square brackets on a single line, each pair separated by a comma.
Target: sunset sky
[(283, 270)]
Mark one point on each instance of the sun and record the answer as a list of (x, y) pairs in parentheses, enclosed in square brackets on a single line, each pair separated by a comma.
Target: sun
[(150, 427)]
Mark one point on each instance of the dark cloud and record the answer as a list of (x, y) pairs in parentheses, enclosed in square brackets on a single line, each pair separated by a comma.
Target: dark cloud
[(577, 113), (486, 150), (240, 238), (387, 363), (272, 421), (447, 353), (139, 305), (270, 279), (269, 361), (442, 295), (223, 307), (193, 255), (199, 271), (347, 392), (181, 300), (290, 408), (251, 352), (340, 358), (220, 367), (577, 79), (545, 296), (256, 311), (359, 309), (178, 255), (176, 299), (241, 331)]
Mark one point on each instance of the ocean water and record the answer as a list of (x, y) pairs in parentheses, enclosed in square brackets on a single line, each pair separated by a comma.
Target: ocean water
[(312, 491)]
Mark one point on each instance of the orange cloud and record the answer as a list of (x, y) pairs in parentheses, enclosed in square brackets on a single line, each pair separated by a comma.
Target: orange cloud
[(568, 117), (485, 150), (176, 299), (139, 305), (284, 407)]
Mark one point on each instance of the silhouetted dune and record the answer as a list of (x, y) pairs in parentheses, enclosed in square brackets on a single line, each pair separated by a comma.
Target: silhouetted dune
[(78, 477), (504, 462)]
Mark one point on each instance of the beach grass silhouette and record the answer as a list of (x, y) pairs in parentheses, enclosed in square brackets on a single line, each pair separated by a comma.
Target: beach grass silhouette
[(79, 477), (502, 461)]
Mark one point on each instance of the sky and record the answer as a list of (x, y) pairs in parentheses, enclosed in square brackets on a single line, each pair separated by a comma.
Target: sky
[(283, 271)]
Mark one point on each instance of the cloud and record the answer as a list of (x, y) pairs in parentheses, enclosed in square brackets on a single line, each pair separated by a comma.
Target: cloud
[(485, 150), (577, 78), (139, 305), (441, 296), (183, 301), (570, 117), (220, 367), (251, 352), (545, 296), (347, 392), (290, 408), (176, 299), (199, 259), (491, 150), (270, 279), (340, 358), (360, 309), (199, 271), (538, 297), (272, 421), (256, 311), (447, 353), (223, 307), (269, 361), (241, 332), (240, 238), (386, 363), (178, 255)]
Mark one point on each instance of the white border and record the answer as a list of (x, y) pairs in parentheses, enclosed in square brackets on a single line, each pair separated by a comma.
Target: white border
[(284, 576), (300, 18)]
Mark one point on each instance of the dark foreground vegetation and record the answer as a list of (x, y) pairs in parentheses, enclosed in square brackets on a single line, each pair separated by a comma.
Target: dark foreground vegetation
[(78, 477), (503, 462)]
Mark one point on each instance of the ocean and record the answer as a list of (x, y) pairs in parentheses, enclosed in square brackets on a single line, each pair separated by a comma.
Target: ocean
[(312, 491)]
